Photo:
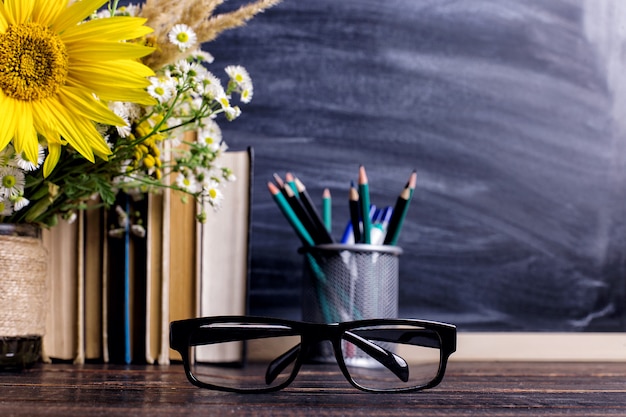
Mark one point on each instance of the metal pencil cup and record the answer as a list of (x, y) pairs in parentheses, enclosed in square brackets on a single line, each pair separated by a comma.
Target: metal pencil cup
[(349, 282)]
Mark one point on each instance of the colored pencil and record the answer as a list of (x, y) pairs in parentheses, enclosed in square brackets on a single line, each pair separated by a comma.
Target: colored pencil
[(290, 215), (291, 181), (319, 227), (327, 207), (364, 195), (397, 218), (354, 213), (297, 206)]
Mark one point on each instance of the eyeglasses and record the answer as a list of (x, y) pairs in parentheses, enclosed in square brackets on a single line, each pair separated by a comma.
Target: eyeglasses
[(378, 355)]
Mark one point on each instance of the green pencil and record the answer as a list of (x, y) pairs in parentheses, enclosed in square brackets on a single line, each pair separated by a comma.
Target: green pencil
[(364, 194), (327, 209), (290, 215)]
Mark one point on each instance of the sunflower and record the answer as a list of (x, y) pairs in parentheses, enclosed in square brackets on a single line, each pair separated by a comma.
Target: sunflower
[(57, 71)]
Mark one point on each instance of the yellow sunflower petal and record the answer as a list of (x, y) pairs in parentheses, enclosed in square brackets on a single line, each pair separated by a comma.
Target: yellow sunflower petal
[(131, 69), (25, 139), (75, 14), (108, 92), (87, 106), (46, 11), (111, 29), (4, 24), (105, 51), (67, 124), (8, 121), (18, 11), (54, 153)]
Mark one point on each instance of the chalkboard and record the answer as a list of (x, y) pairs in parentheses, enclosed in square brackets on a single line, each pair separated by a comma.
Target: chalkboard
[(513, 113)]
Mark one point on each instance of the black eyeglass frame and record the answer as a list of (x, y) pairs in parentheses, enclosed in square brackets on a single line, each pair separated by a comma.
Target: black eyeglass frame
[(311, 334)]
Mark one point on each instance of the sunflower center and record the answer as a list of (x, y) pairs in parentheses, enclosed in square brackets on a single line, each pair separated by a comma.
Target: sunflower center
[(33, 62)]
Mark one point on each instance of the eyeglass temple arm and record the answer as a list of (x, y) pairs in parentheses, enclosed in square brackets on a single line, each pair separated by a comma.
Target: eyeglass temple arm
[(388, 359), (280, 363)]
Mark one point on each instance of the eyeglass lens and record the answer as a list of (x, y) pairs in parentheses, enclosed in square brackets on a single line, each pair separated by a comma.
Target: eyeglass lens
[(402, 357), (220, 362), (382, 357)]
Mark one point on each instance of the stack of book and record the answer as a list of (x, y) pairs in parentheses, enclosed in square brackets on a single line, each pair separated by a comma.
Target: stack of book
[(113, 290)]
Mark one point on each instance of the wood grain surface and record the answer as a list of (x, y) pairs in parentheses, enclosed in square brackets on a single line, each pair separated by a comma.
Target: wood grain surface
[(469, 389)]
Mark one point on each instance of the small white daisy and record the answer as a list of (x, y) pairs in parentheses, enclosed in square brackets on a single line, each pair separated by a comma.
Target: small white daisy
[(246, 94), (19, 202), (203, 56), (182, 36), (232, 113), (210, 87), (26, 165), (239, 75), (6, 208), (187, 183), (161, 88), (6, 155), (212, 193), (12, 181), (210, 135)]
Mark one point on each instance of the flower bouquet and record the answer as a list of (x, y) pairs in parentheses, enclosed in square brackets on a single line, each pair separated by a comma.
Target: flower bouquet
[(93, 100)]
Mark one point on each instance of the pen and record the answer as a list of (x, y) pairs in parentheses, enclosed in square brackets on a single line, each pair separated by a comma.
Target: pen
[(364, 195), (289, 214)]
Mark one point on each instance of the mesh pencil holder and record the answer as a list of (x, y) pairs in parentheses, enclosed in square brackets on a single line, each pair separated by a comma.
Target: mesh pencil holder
[(349, 282)]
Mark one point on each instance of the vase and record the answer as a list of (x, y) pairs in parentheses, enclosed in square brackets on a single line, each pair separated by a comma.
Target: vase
[(23, 296)]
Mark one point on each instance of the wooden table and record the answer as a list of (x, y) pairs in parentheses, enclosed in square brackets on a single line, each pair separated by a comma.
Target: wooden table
[(469, 389)]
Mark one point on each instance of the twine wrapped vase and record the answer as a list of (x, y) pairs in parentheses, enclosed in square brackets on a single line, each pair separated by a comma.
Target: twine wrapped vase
[(23, 296)]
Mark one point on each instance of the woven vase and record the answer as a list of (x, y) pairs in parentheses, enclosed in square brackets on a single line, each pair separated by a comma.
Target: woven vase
[(23, 296)]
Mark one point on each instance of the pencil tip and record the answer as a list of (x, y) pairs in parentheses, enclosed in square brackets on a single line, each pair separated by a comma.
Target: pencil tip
[(278, 179), (413, 180), (273, 189), (362, 175), (326, 193)]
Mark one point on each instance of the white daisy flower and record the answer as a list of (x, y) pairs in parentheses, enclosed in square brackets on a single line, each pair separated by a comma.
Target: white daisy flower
[(246, 94), (187, 183), (210, 135), (210, 87), (196, 71), (6, 155), (182, 36), (26, 165), (19, 202), (130, 10), (121, 110), (6, 208), (232, 113), (203, 56), (239, 75), (212, 193), (12, 181), (161, 88), (134, 111)]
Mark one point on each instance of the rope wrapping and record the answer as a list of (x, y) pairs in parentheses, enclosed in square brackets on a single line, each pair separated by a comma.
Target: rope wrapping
[(23, 296)]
